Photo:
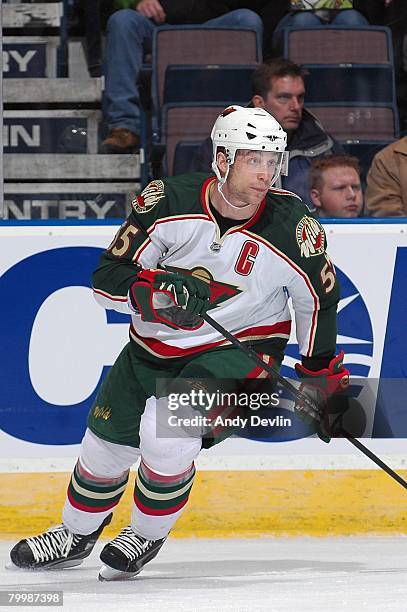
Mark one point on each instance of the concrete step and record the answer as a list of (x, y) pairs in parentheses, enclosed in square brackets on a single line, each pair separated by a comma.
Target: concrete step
[(77, 61), (52, 91), (35, 15), (97, 200), (42, 167), (54, 131), (27, 57)]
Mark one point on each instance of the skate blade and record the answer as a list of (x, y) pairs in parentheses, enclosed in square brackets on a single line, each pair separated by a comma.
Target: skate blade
[(64, 565), (109, 574)]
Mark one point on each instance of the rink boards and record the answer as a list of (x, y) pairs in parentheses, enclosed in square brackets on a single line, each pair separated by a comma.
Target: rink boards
[(57, 344)]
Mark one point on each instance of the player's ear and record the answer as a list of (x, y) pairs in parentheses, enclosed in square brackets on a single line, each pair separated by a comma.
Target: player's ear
[(316, 198), (221, 162)]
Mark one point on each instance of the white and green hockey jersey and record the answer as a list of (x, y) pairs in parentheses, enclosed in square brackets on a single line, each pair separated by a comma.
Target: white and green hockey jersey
[(253, 269)]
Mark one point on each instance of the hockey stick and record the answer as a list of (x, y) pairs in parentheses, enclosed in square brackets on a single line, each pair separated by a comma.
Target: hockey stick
[(293, 390), (300, 396)]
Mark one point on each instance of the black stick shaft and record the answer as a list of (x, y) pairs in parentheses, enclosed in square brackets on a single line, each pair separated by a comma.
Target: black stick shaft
[(293, 390), (366, 451), (246, 349), (302, 398)]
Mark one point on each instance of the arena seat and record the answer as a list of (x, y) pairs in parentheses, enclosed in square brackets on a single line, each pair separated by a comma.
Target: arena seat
[(345, 45), (186, 123)]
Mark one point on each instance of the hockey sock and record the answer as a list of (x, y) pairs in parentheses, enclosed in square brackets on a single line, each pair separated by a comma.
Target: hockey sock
[(159, 500), (91, 498)]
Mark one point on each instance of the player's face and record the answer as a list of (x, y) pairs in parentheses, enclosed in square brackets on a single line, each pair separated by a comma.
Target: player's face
[(285, 101), (251, 176), (340, 194)]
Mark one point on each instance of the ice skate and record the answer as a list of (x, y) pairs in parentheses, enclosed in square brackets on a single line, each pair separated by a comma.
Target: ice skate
[(126, 555), (55, 548)]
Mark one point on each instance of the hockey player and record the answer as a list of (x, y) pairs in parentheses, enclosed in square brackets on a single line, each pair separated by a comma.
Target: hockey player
[(228, 243)]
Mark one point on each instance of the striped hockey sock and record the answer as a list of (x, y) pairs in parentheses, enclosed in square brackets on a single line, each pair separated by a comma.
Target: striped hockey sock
[(159, 500), (90, 493)]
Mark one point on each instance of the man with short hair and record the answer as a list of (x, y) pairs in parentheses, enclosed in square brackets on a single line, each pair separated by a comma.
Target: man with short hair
[(336, 190), (278, 87), (229, 244)]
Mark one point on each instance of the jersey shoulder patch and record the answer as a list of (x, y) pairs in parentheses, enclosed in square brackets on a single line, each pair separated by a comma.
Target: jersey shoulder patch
[(149, 197), (310, 237)]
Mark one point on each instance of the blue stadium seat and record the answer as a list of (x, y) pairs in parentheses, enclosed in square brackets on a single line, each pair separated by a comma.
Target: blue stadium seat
[(191, 46), (208, 83), (344, 45), (184, 154), (357, 83), (365, 152), (350, 79), (197, 45), (355, 123), (186, 122)]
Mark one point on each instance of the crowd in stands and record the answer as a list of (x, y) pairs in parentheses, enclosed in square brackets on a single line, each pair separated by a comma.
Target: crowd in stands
[(278, 87), (320, 172), (129, 36)]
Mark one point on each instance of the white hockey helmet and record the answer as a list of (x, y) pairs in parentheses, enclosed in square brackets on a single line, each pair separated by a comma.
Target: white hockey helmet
[(253, 129)]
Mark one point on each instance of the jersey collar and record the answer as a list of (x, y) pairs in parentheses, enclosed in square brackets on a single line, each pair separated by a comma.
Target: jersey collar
[(205, 205)]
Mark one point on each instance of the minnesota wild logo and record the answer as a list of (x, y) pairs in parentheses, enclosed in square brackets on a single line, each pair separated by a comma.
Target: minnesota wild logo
[(149, 197), (102, 412), (220, 292), (310, 237)]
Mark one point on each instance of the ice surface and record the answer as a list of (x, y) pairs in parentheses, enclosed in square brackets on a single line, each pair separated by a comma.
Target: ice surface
[(273, 574)]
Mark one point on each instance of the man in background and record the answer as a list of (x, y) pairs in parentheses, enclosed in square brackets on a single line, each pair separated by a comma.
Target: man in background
[(335, 186), (278, 87), (386, 192)]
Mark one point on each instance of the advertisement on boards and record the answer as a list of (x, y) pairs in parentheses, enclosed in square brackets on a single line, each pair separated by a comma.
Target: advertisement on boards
[(57, 343)]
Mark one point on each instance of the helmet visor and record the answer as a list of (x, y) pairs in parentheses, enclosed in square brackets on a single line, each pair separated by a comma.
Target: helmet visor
[(266, 163)]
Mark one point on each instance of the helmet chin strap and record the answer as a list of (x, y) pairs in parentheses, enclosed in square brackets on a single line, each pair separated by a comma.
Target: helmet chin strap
[(220, 185), (221, 182)]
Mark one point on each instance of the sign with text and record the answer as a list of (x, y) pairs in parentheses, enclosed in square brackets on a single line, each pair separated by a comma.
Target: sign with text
[(24, 60), (57, 344)]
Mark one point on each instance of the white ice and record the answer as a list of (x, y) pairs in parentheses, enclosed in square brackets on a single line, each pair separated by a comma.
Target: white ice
[(275, 574)]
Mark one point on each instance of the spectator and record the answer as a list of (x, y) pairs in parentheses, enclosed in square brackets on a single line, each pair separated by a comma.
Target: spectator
[(129, 36), (278, 87), (386, 192), (336, 190), (308, 13)]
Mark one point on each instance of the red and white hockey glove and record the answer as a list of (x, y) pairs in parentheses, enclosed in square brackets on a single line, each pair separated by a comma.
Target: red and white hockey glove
[(319, 386), (157, 291)]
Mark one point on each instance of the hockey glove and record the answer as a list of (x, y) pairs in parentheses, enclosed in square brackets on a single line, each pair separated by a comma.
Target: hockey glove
[(319, 387), (154, 291)]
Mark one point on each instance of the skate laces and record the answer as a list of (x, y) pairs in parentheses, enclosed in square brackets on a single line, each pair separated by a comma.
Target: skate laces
[(55, 543), (130, 544)]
